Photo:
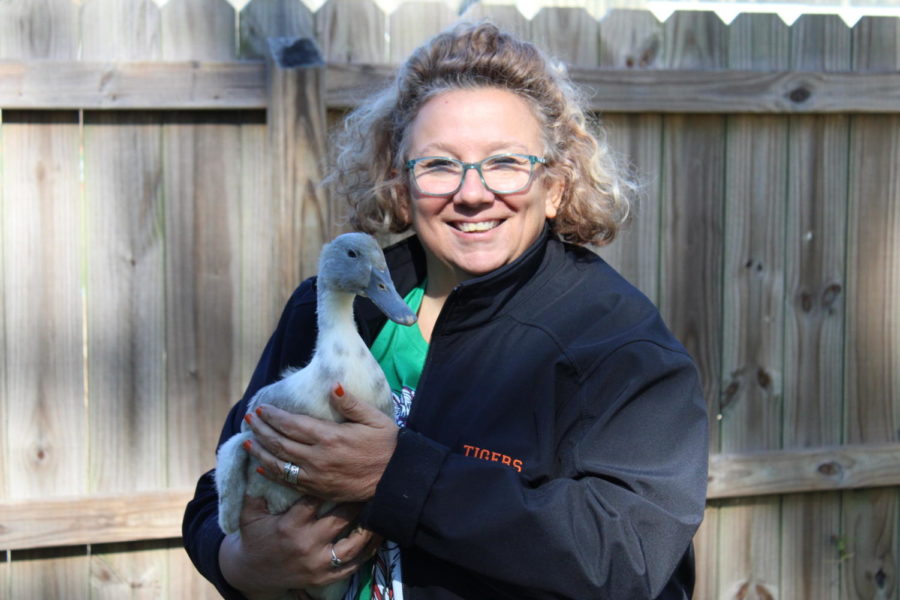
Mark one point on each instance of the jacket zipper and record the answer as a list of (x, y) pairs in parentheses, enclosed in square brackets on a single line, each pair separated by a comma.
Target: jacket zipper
[(423, 379)]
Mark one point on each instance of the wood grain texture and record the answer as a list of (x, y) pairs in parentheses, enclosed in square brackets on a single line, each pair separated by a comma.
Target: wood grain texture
[(96, 519), (46, 443), (568, 34), (121, 31), (807, 470), (263, 19), (352, 31), (815, 242), (38, 29), (692, 222), (296, 124), (506, 16), (206, 84), (201, 192), (630, 39), (413, 23), (872, 380), (637, 139), (198, 30), (753, 318), (46, 446)]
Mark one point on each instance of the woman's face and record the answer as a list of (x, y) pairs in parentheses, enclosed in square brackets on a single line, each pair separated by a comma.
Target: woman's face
[(476, 231)]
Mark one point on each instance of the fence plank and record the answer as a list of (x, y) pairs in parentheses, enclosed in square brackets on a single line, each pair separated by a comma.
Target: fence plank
[(125, 293), (413, 23), (815, 245), (120, 30), (198, 30), (691, 208), (44, 29), (241, 85), (264, 19), (45, 431), (753, 248), (352, 31), (568, 34), (45, 434), (639, 138), (872, 383)]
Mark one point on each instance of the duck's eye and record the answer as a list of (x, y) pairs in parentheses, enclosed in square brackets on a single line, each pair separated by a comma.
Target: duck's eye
[(352, 253)]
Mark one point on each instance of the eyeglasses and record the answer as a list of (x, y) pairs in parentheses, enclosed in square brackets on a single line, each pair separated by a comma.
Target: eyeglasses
[(501, 173)]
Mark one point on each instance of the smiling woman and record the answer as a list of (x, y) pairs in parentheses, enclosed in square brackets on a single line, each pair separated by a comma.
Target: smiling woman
[(550, 437)]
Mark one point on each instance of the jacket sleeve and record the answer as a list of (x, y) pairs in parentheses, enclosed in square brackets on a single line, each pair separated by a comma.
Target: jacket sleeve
[(615, 523), (201, 534)]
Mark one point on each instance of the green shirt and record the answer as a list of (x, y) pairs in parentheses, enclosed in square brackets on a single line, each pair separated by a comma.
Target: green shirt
[(401, 351)]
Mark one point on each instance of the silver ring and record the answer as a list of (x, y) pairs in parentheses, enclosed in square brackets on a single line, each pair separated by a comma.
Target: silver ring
[(291, 473), (335, 561)]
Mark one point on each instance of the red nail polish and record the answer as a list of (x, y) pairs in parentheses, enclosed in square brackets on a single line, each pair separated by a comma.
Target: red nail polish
[(339, 391), (259, 410), (260, 470), (247, 444), (248, 418)]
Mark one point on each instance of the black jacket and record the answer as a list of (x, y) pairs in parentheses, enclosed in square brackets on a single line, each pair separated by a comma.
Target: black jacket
[(556, 447)]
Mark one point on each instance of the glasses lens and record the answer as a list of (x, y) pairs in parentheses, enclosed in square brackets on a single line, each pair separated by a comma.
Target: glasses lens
[(437, 175), (508, 173)]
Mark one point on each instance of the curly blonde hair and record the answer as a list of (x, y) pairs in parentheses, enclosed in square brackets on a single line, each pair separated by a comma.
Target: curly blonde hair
[(372, 145)]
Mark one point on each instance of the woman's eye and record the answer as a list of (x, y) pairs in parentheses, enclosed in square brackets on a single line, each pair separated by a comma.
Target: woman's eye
[(505, 162), (439, 164)]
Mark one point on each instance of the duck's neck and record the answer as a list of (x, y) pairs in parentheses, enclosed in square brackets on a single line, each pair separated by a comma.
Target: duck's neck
[(334, 315)]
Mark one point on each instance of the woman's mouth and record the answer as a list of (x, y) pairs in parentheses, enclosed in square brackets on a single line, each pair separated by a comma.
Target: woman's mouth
[(475, 227)]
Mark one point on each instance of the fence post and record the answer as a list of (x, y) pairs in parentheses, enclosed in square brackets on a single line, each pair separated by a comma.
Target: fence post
[(296, 124)]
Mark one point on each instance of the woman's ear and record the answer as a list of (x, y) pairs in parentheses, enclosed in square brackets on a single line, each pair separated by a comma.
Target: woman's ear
[(553, 198)]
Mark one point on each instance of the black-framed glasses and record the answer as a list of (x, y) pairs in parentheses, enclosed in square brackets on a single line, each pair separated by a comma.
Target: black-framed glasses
[(501, 173)]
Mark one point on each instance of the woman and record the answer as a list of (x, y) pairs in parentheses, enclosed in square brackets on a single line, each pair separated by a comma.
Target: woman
[(556, 444)]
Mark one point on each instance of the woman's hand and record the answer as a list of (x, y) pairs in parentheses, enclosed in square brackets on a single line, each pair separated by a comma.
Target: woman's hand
[(342, 462), (276, 553)]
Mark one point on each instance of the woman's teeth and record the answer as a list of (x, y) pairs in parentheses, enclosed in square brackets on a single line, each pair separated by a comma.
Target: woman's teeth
[(475, 227)]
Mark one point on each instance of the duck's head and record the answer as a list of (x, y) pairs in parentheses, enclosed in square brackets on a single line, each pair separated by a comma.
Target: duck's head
[(353, 263)]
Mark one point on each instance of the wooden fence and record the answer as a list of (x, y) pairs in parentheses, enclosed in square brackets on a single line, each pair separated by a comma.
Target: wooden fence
[(158, 204)]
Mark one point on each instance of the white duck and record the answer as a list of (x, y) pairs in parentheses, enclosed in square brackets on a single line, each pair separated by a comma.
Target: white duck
[(353, 264)]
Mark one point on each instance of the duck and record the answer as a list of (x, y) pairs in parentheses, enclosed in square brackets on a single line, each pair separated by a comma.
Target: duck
[(351, 265)]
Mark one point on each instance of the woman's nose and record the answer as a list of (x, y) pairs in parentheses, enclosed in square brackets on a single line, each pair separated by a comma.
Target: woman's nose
[(473, 190)]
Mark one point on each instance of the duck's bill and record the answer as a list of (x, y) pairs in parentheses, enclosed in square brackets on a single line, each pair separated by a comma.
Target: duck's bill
[(381, 291)]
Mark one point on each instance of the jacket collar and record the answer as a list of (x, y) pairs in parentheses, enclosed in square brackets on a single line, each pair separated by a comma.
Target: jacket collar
[(472, 302)]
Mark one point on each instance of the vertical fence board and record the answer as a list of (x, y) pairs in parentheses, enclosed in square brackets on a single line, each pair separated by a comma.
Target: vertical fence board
[(692, 188), (505, 16), (45, 431), (201, 175), (32, 29), (124, 294), (201, 158), (568, 34), (813, 374), (198, 30), (413, 23), (262, 19), (265, 284), (120, 30), (638, 138), (352, 31), (45, 379), (753, 249), (872, 383)]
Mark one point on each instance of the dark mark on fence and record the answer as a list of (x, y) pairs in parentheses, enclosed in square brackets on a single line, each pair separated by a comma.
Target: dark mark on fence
[(800, 95), (830, 469)]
